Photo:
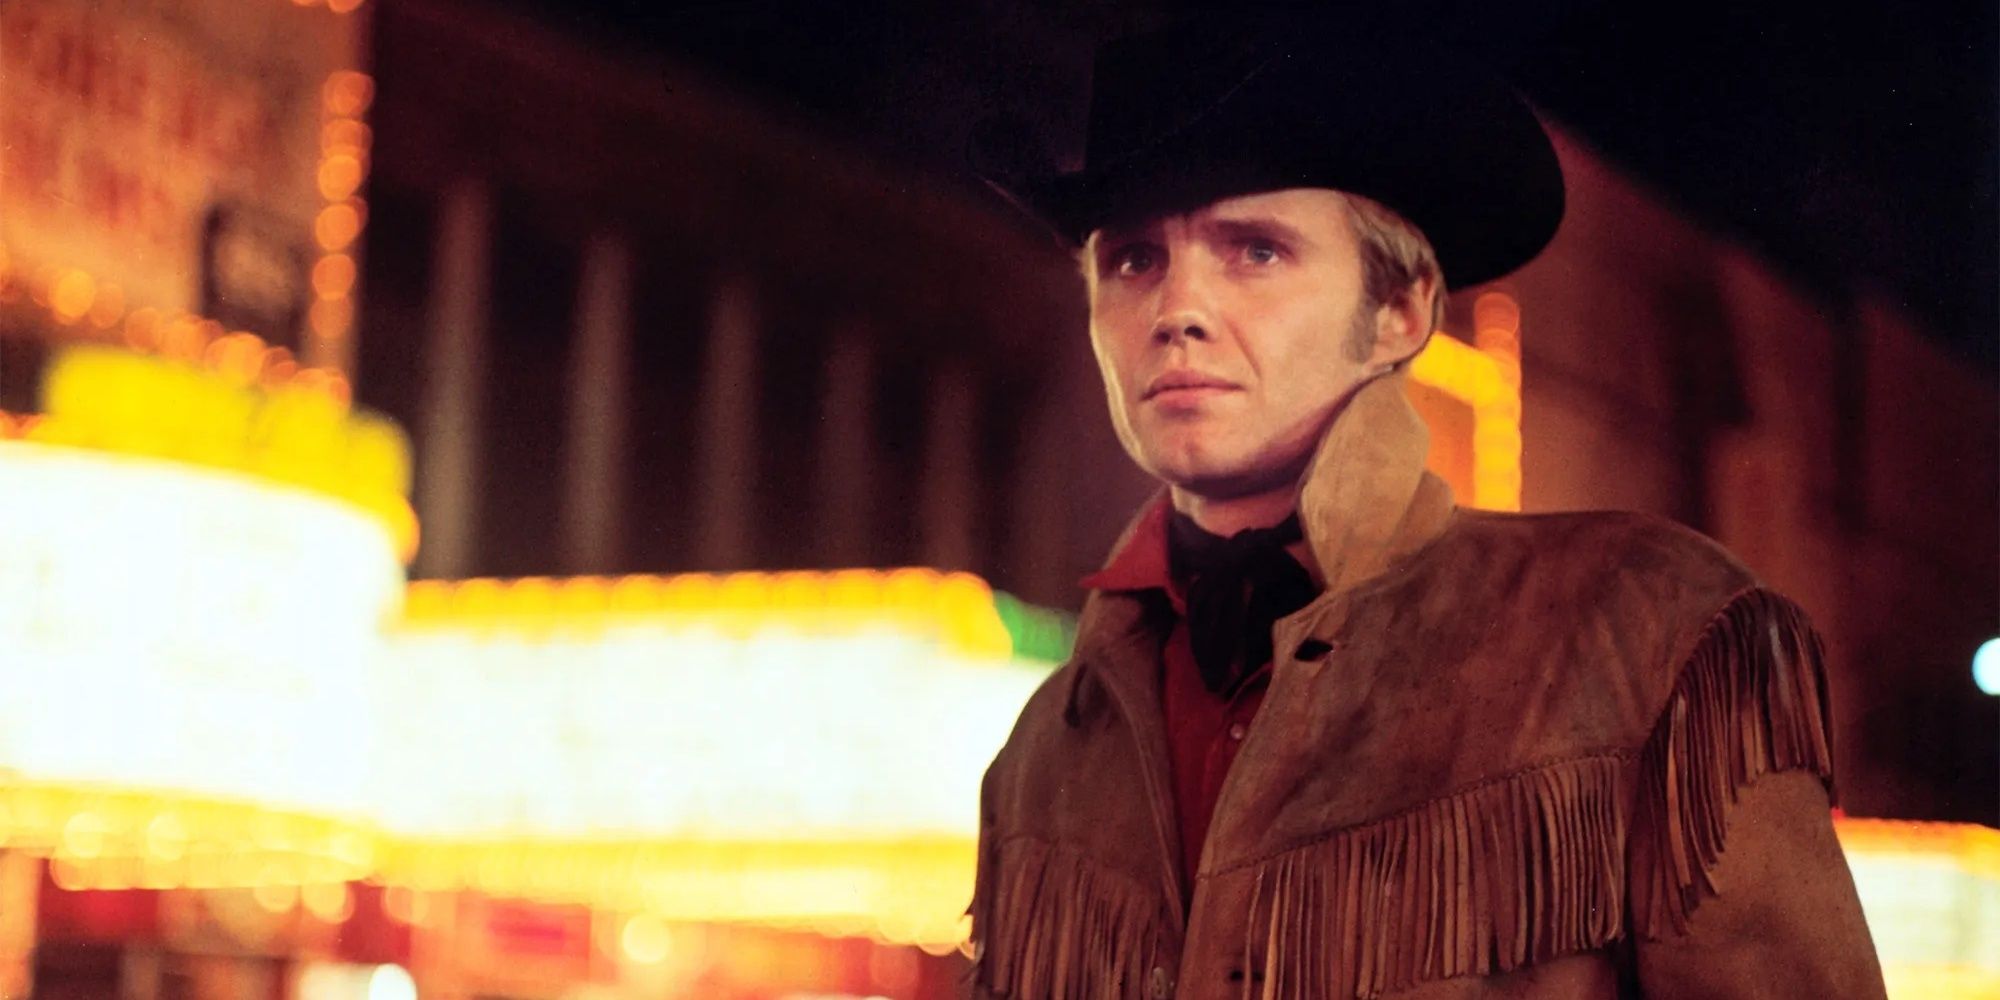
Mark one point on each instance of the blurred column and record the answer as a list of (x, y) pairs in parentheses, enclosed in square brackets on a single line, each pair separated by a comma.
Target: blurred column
[(1038, 526), (20, 892), (728, 431), (435, 946), (951, 449), (846, 450), (140, 971), (454, 370), (594, 470)]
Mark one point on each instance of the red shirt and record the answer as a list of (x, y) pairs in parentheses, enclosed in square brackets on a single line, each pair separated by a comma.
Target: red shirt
[(1204, 730)]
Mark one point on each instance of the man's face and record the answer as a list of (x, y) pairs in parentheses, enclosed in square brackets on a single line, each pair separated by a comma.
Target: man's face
[(1225, 336)]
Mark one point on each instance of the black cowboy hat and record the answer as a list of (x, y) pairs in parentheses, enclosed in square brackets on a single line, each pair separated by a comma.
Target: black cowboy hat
[(1201, 111)]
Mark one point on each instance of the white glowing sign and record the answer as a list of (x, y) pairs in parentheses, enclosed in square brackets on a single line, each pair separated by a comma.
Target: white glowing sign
[(638, 730), (330, 981), (172, 628), (1931, 892)]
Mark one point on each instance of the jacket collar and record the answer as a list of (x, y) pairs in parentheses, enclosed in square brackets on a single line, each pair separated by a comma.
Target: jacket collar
[(1365, 500), (1139, 560)]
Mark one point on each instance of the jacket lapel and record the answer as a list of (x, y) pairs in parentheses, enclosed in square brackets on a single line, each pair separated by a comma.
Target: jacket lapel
[(1119, 644), (1366, 504), (1366, 500)]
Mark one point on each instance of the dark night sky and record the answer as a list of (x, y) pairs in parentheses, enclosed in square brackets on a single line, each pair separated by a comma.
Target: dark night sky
[(1853, 144)]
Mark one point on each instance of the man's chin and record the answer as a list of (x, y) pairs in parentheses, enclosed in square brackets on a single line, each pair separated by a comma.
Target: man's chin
[(1225, 467), (1229, 482)]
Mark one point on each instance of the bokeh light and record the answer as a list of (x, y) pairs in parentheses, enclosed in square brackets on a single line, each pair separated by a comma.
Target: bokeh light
[(1986, 666)]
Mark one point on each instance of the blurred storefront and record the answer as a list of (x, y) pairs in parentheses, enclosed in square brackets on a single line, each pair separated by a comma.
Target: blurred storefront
[(638, 321), (199, 533)]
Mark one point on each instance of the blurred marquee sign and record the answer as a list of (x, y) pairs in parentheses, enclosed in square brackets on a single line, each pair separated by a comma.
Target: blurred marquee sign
[(215, 688), (798, 748), (296, 433), (651, 731), (187, 651), (176, 153)]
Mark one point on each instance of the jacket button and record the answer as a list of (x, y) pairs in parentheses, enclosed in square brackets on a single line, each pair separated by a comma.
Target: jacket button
[(1312, 649), (1237, 732), (1163, 985)]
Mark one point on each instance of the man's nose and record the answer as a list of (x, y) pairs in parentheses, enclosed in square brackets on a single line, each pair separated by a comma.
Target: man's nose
[(1183, 312)]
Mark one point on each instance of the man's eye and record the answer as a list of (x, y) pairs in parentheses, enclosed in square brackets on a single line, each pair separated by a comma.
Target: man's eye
[(1260, 252), (1132, 260)]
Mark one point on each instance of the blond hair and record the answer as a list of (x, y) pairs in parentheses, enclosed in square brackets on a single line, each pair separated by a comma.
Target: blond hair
[(1395, 256)]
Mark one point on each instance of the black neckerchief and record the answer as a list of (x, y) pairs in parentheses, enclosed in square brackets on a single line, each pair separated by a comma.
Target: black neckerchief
[(1236, 588)]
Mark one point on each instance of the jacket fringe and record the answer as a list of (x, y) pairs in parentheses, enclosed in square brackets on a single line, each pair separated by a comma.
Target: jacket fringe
[(1751, 701), (1048, 923), (1537, 864), (1507, 873)]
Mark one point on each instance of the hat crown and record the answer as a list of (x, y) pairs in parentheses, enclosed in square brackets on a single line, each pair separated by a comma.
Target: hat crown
[(1206, 109), (1148, 87)]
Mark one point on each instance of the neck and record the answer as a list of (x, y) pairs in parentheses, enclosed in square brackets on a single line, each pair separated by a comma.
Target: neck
[(1226, 516)]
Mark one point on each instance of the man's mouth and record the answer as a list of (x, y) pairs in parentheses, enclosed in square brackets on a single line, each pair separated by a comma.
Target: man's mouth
[(1185, 383)]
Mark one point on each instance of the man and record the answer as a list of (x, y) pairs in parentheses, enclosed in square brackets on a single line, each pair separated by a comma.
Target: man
[(1325, 734)]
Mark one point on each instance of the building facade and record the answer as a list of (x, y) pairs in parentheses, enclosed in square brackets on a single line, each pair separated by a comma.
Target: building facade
[(638, 322)]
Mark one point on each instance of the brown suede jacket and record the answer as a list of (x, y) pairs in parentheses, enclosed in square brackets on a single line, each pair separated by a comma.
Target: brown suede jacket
[(1576, 756)]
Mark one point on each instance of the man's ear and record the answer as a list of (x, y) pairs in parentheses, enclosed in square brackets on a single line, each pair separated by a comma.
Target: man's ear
[(1403, 324)]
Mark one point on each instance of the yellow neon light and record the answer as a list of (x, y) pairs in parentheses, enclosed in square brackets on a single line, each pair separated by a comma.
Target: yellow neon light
[(1974, 850), (72, 295), (337, 6), (122, 838), (299, 431), (333, 276), (1487, 378), (338, 225), (1930, 982), (908, 891), (343, 166), (347, 93), (957, 608)]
